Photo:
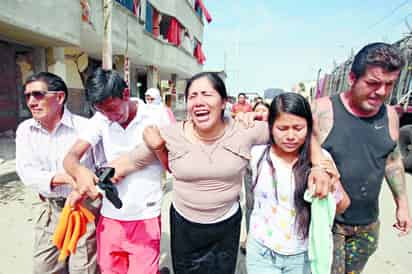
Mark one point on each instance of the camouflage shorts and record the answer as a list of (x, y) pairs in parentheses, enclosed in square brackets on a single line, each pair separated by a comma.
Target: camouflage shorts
[(353, 245)]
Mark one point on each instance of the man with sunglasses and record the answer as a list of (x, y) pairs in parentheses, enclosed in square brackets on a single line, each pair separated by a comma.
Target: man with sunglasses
[(41, 143), (128, 238)]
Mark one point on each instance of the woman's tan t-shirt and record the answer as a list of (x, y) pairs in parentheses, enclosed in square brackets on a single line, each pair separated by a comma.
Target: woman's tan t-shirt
[(209, 177)]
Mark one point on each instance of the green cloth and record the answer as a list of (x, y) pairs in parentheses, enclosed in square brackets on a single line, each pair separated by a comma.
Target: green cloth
[(320, 232)]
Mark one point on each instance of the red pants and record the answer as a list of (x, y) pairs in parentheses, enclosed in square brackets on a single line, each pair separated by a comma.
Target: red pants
[(128, 247)]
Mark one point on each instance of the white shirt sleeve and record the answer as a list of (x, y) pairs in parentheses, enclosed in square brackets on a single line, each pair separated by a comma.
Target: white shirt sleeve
[(31, 173), (158, 114), (93, 132)]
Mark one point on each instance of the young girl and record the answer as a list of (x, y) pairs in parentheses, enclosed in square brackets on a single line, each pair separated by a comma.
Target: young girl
[(280, 219), (262, 109)]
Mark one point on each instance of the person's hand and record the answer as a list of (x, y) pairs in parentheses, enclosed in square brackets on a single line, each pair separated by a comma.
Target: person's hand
[(247, 119), (74, 198), (152, 138), (403, 221), (319, 180), (61, 178), (86, 182), (122, 167), (330, 168)]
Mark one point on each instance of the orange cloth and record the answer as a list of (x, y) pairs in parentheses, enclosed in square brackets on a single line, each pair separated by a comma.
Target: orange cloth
[(71, 227)]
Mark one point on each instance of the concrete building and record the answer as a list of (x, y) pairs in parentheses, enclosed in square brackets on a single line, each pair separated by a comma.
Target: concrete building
[(152, 40)]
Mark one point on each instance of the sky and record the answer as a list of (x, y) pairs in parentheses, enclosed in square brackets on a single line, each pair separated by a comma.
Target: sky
[(278, 43)]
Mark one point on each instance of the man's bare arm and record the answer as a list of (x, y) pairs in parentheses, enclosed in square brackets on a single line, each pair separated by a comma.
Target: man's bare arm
[(61, 178), (395, 173), (395, 177), (394, 169), (322, 118), (85, 178), (318, 176)]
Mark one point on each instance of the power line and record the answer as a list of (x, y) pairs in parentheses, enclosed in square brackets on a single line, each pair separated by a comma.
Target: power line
[(402, 21), (389, 14)]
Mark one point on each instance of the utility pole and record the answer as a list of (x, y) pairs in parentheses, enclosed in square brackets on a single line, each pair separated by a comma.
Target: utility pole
[(237, 62), (317, 84), (224, 61), (107, 34), (126, 56)]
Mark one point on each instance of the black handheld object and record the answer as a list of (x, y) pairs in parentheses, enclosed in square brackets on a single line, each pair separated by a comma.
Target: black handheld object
[(110, 190)]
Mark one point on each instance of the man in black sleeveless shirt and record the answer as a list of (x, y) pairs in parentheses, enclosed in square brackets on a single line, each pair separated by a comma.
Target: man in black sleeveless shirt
[(361, 134)]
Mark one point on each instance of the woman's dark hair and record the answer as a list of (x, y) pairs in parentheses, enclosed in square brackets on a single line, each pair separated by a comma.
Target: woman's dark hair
[(296, 104), (53, 82), (103, 84), (214, 79), (261, 103)]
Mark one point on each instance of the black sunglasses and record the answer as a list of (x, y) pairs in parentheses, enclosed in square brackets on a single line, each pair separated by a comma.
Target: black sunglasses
[(38, 95)]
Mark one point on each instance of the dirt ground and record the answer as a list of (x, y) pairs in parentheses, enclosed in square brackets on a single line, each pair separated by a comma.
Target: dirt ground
[(18, 206)]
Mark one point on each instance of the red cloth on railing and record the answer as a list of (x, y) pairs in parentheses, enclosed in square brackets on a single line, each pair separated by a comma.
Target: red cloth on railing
[(205, 11), (201, 58), (135, 4), (85, 11), (155, 26), (173, 35)]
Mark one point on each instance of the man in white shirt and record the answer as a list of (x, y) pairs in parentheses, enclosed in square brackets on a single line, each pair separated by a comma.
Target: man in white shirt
[(128, 238), (41, 143)]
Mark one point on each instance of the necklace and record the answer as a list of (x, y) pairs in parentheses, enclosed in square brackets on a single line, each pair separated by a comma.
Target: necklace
[(208, 139)]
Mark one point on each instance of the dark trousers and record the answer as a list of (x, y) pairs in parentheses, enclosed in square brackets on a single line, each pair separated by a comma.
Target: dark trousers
[(204, 248)]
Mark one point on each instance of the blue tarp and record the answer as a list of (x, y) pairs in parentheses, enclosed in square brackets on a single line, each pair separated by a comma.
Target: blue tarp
[(128, 4), (149, 17)]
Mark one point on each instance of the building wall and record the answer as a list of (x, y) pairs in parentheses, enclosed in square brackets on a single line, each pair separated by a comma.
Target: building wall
[(8, 93), (45, 22), (183, 12), (40, 23), (130, 38), (60, 42)]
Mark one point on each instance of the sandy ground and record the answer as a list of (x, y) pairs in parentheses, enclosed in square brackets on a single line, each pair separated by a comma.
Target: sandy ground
[(19, 206)]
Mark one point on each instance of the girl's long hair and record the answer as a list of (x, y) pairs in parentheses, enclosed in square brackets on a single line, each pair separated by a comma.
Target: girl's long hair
[(296, 104)]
